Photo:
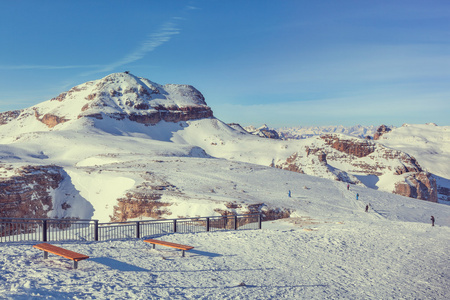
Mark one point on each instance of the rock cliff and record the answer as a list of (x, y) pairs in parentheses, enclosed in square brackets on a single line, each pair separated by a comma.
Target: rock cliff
[(38, 191)]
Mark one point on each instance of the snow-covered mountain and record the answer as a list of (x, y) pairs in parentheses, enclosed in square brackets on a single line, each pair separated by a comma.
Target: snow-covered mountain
[(430, 145), (123, 147), (302, 132)]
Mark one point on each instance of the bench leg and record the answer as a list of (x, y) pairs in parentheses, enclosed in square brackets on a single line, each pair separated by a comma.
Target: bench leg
[(75, 264), (183, 253), (45, 254), (154, 246)]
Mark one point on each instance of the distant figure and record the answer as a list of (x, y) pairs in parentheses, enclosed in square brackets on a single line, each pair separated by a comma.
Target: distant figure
[(367, 207), (432, 221), (348, 186), (357, 196), (289, 193)]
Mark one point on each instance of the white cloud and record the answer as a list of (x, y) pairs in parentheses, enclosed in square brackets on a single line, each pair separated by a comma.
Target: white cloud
[(154, 40)]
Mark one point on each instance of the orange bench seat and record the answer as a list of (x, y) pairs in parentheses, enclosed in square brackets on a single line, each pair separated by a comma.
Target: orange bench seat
[(169, 244), (76, 257)]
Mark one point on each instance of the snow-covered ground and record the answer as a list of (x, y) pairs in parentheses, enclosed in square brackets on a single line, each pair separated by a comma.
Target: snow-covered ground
[(300, 258)]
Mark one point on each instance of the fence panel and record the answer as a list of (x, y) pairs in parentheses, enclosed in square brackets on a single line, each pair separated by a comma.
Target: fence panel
[(70, 229), (14, 230), (157, 227), (111, 231), (191, 225)]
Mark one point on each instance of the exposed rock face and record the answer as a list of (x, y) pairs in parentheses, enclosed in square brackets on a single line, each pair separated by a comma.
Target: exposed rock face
[(50, 120), (350, 146), (8, 116), (419, 185), (380, 131), (28, 193), (135, 205), (270, 134), (172, 114)]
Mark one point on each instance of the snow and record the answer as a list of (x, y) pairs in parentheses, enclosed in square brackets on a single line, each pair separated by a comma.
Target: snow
[(100, 188), (310, 259)]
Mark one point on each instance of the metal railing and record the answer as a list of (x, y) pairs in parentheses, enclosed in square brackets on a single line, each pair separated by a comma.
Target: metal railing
[(20, 229), (14, 229)]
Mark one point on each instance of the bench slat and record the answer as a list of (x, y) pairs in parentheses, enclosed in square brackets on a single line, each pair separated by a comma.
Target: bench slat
[(61, 252), (169, 244)]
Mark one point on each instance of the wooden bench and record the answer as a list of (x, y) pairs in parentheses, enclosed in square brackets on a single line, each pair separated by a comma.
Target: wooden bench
[(168, 244), (61, 252)]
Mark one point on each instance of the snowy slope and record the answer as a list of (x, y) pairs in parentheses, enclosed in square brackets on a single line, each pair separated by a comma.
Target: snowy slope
[(430, 145)]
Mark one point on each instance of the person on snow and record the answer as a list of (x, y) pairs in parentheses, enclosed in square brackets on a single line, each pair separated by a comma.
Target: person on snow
[(367, 207), (357, 196), (348, 186), (432, 221), (289, 193)]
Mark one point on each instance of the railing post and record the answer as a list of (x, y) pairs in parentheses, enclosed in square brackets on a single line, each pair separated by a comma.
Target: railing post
[(138, 234), (235, 222), (174, 225), (44, 230), (95, 230), (207, 224), (259, 221)]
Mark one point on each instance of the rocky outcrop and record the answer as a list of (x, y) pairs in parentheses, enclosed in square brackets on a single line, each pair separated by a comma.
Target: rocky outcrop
[(172, 114), (380, 131), (27, 194), (136, 205), (419, 185), (263, 131), (350, 146), (51, 120), (8, 116)]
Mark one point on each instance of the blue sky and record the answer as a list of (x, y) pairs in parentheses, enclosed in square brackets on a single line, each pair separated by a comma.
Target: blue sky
[(283, 63)]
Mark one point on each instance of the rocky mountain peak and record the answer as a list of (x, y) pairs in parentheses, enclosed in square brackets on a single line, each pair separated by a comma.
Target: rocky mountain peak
[(380, 131), (119, 96)]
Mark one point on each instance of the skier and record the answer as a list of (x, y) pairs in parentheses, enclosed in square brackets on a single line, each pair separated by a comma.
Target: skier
[(367, 207), (432, 221), (348, 187), (289, 193), (357, 196)]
